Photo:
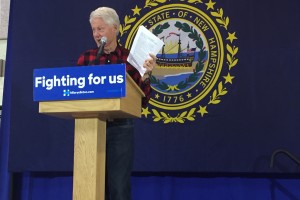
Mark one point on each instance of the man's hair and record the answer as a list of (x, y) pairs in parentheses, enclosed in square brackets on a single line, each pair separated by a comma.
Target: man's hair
[(108, 15)]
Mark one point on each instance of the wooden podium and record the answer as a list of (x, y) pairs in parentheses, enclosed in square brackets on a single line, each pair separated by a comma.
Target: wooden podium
[(90, 135)]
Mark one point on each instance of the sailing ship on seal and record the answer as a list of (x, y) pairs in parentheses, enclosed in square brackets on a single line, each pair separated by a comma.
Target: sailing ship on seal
[(181, 60)]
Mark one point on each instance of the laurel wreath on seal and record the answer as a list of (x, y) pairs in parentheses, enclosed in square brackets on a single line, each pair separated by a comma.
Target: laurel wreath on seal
[(223, 21), (153, 3), (166, 118), (127, 24), (231, 60), (217, 93)]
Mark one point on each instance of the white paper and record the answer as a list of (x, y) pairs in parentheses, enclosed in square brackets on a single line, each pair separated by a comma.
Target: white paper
[(144, 43)]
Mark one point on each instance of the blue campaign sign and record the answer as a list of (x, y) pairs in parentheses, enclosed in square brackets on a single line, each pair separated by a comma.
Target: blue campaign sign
[(84, 82)]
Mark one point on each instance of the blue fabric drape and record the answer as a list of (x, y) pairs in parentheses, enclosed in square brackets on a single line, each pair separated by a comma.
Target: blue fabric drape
[(258, 46), (58, 186), (5, 124)]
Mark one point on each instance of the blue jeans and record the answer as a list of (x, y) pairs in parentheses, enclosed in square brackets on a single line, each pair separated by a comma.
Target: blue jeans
[(119, 159)]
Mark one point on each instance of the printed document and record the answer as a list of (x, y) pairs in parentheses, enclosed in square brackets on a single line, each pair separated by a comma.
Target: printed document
[(144, 43)]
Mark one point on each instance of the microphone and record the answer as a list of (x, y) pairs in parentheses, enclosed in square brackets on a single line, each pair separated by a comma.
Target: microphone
[(100, 51), (101, 47)]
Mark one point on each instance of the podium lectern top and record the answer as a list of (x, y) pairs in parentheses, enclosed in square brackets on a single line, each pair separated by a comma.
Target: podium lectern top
[(126, 107)]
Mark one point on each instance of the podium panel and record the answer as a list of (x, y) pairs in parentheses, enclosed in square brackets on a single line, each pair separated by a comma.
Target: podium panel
[(90, 134)]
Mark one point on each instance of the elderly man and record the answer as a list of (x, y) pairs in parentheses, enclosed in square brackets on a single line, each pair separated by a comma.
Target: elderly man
[(119, 145)]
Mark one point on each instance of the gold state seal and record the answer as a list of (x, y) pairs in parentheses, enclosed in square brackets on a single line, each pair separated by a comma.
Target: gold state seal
[(195, 63)]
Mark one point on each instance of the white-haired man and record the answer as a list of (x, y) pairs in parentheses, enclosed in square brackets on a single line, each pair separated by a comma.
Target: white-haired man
[(119, 145)]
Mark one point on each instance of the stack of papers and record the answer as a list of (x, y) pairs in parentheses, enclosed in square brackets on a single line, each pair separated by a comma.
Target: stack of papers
[(144, 43)]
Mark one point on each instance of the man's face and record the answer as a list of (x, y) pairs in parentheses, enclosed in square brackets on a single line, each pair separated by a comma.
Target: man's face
[(100, 29)]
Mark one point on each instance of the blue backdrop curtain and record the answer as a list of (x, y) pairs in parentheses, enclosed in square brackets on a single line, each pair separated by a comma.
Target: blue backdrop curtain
[(5, 176), (267, 83), (58, 186), (257, 116)]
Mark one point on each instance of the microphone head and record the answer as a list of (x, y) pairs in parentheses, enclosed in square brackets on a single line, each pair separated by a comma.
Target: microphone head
[(103, 40)]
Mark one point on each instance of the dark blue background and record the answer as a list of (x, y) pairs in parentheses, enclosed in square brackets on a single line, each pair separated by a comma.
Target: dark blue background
[(258, 116)]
